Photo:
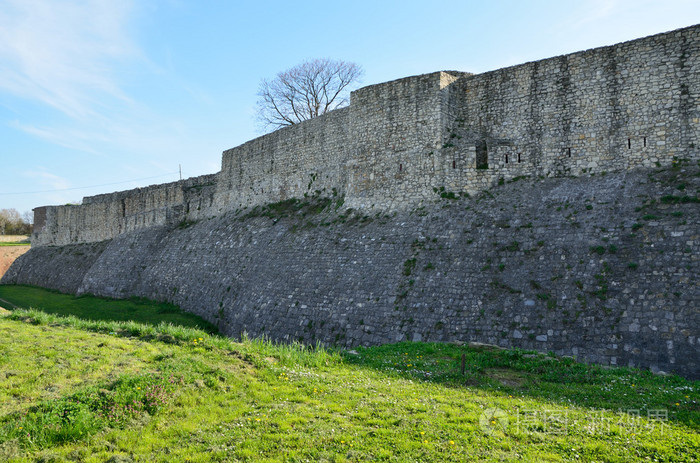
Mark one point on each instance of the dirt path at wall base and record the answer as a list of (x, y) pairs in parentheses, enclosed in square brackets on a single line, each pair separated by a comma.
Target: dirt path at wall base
[(8, 254)]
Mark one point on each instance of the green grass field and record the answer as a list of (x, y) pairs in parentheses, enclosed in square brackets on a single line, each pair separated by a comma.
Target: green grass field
[(94, 390), (97, 308)]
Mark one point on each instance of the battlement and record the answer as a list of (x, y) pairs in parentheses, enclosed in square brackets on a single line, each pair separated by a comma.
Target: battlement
[(606, 109)]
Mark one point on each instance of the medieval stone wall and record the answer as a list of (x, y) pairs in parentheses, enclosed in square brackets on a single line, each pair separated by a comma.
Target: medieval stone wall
[(603, 268), (105, 216), (606, 109), (551, 205)]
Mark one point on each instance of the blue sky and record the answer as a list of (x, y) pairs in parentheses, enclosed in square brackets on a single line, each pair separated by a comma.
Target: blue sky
[(105, 95)]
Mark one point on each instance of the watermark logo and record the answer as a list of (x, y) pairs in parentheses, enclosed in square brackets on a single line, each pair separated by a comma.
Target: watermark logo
[(493, 420), (631, 422)]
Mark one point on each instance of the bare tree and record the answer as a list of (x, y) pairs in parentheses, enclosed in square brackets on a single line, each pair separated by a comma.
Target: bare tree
[(305, 91), (11, 223), (28, 217)]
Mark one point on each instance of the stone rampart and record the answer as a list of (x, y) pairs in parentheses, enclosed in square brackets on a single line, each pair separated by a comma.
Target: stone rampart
[(602, 268), (105, 216), (290, 162), (601, 110), (593, 255)]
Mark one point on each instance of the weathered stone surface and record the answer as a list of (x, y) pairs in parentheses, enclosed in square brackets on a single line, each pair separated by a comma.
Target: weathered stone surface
[(601, 288), (608, 109)]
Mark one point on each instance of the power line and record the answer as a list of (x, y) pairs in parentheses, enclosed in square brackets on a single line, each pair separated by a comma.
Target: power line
[(86, 187)]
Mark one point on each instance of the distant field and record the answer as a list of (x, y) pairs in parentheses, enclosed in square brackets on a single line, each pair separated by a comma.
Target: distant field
[(8, 254), (14, 239)]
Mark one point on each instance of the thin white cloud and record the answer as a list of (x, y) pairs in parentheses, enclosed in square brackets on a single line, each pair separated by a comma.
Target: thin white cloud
[(78, 56), (47, 179), (594, 11), (62, 53), (65, 137)]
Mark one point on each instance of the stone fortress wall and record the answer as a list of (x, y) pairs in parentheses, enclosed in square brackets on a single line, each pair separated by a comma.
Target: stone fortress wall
[(578, 236), (601, 110)]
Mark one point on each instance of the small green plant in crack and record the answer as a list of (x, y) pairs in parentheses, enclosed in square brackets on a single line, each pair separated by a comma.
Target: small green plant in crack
[(186, 224), (671, 199), (408, 266), (444, 194), (512, 247), (600, 250)]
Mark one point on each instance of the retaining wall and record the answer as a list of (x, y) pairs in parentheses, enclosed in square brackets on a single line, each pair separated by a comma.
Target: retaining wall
[(602, 268)]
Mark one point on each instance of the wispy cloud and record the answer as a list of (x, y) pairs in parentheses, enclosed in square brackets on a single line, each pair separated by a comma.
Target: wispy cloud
[(54, 184), (593, 11), (47, 179), (62, 53), (81, 58), (66, 137)]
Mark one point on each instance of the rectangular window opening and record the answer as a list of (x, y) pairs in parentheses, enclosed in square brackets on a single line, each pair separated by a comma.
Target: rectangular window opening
[(482, 156), (506, 159), (518, 157), (629, 143), (454, 164), (400, 167), (568, 152), (645, 142)]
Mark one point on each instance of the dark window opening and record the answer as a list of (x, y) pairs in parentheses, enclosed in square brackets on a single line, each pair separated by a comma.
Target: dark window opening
[(568, 152), (454, 164), (629, 143), (506, 159), (645, 142), (400, 167), (482, 156), (518, 157)]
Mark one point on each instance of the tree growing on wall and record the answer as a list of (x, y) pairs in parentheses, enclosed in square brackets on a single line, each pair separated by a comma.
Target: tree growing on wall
[(305, 91)]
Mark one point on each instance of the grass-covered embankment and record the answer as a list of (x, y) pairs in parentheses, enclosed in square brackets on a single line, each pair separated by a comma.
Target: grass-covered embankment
[(86, 390), (89, 307)]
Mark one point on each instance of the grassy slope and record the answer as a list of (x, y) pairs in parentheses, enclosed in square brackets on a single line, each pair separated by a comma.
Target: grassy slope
[(98, 308), (253, 401)]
